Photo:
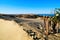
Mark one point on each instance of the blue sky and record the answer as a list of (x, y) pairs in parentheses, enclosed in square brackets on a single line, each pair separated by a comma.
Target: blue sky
[(28, 6)]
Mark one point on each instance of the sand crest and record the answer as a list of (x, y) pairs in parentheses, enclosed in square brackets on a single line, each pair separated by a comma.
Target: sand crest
[(9, 30)]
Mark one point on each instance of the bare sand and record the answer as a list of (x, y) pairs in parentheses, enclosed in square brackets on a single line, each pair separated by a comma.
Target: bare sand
[(9, 30)]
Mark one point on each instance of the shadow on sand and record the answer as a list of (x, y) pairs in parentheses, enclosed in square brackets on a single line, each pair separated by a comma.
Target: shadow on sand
[(58, 30)]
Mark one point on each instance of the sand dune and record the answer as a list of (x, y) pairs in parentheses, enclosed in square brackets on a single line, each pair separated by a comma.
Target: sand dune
[(9, 30)]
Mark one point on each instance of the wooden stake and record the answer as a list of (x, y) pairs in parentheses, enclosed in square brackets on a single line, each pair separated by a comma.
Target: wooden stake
[(46, 33)]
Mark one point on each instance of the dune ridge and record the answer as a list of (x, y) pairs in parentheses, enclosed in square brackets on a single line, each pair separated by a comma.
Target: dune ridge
[(10, 30)]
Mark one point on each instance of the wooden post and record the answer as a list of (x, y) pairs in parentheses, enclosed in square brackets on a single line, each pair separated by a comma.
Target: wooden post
[(43, 30), (46, 27)]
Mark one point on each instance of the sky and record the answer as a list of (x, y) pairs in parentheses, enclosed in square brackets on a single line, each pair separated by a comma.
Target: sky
[(28, 6)]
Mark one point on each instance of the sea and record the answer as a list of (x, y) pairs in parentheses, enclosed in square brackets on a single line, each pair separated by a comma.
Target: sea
[(46, 15)]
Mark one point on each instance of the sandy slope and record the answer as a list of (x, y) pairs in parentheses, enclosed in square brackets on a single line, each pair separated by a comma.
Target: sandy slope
[(9, 30)]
